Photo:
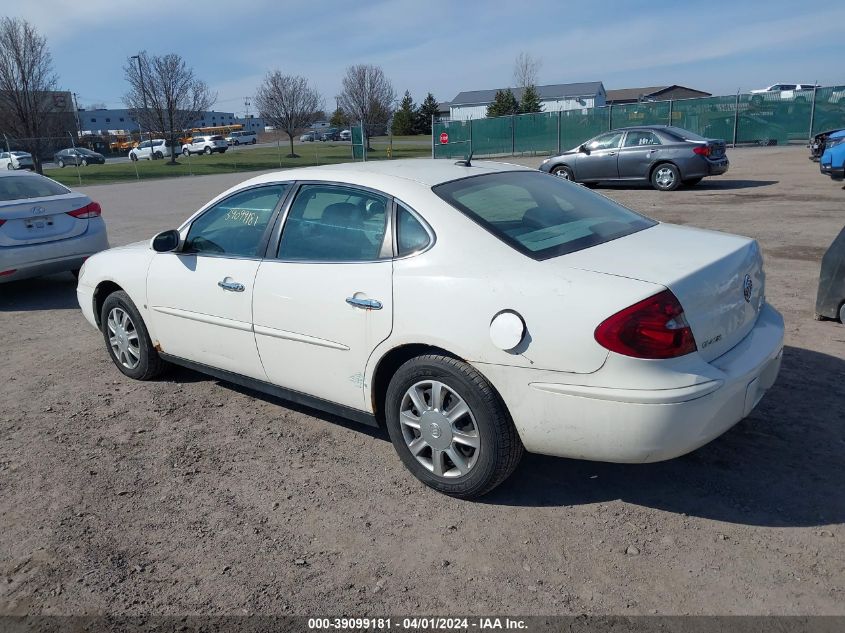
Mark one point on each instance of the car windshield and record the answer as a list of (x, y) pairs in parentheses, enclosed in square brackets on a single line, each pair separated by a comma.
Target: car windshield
[(684, 134), (33, 186), (539, 215)]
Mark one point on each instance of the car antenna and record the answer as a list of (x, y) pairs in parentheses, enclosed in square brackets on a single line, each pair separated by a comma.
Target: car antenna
[(465, 162)]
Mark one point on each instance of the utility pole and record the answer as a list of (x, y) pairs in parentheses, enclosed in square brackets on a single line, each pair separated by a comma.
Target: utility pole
[(76, 113), (247, 103)]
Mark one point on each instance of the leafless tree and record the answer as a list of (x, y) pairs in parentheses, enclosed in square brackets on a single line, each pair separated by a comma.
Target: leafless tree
[(27, 84), (288, 103), (367, 97), (525, 69), (164, 96)]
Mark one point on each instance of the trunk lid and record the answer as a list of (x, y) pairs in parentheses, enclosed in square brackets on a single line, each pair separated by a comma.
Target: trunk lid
[(36, 220), (710, 273)]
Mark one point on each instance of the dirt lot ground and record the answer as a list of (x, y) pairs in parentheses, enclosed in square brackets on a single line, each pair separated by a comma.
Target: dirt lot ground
[(190, 496)]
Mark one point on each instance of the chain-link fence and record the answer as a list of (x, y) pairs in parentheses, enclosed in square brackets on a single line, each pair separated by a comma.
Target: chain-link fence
[(769, 118)]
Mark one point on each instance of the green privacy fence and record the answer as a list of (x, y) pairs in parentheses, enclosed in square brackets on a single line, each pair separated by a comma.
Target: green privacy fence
[(774, 118)]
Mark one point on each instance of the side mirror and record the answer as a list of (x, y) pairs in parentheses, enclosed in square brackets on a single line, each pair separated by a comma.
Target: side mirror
[(584, 149), (166, 241)]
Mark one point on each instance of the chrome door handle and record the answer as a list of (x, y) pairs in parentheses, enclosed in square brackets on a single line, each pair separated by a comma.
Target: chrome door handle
[(366, 304), (611, 153), (231, 286)]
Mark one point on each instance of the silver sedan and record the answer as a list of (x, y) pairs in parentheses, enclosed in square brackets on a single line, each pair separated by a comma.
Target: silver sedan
[(45, 227)]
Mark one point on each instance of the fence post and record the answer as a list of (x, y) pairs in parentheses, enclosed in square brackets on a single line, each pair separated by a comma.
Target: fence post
[(470, 138), (610, 117), (812, 112), (432, 136), (75, 158), (513, 134), (670, 112), (558, 131), (736, 116)]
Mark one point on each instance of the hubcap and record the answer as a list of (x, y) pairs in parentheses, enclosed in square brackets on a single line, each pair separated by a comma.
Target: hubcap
[(562, 173), (123, 338), (439, 429), (665, 177)]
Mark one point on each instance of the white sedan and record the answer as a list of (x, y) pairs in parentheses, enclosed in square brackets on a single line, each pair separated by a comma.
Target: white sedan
[(475, 311)]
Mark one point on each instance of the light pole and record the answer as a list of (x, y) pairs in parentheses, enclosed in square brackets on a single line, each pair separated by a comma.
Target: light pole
[(144, 96)]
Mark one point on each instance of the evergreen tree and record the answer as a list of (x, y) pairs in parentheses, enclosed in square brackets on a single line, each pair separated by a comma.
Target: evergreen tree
[(504, 104), (427, 109), (404, 118), (338, 119), (530, 100)]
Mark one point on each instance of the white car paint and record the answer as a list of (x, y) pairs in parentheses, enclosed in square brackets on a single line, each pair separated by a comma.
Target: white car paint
[(15, 160), (567, 395)]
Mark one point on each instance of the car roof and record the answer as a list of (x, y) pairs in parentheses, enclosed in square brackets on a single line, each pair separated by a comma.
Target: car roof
[(425, 171), (18, 172)]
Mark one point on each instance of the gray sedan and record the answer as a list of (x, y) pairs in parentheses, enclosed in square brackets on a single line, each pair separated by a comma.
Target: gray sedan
[(663, 155), (45, 227)]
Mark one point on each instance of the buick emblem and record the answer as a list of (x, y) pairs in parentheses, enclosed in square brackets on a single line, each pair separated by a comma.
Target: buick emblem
[(435, 430), (747, 287), (39, 211)]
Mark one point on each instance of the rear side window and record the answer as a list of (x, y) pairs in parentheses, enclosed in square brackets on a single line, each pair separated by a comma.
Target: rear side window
[(34, 186), (638, 139), (411, 236), (235, 226), (539, 215), (683, 134)]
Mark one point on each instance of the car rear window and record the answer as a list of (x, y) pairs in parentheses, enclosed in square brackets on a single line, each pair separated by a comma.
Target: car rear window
[(32, 186), (539, 215), (684, 134), (217, 138)]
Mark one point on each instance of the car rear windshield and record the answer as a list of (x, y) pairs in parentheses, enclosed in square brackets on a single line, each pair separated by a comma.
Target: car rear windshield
[(32, 186), (684, 134), (540, 215), (217, 138)]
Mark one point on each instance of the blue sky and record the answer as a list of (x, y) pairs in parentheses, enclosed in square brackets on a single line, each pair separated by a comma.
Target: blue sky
[(444, 47)]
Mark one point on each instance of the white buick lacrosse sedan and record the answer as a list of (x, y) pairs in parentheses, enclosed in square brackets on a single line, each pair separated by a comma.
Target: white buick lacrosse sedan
[(474, 311)]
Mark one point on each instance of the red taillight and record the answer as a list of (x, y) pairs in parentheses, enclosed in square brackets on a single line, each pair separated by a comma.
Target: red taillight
[(2, 222), (654, 328), (8, 272), (90, 210), (701, 150)]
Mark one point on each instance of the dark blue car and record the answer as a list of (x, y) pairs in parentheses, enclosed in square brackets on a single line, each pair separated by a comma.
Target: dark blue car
[(832, 161)]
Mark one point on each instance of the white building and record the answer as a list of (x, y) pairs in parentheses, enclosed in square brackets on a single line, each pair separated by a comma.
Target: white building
[(473, 104)]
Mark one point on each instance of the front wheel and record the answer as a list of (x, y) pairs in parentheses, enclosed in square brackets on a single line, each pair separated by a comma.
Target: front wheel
[(9, 166), (61, 163), (449, 426), (85, 162), (237, 142), (562, 171), (127, 339), (186, 151), (665, 177), (133, 158), (208, 151), (254, 141)]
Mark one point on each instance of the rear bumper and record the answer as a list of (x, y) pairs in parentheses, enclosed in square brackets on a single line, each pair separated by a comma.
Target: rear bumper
[(53, 257), (642, 425), (718, 167)]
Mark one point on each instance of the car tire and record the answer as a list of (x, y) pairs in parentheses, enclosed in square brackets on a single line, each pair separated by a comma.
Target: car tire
[(158, 155), (488, 449), (691, 182), (254, 141), (139, 360), (186, 151), (84, 162), (208, 151), (842, 314), (237, 142), (9, 166), (665, 177), (133, 158), (563, 172), (61, 163)]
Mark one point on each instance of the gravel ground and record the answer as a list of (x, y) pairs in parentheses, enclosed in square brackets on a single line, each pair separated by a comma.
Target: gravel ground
[(191, 496)]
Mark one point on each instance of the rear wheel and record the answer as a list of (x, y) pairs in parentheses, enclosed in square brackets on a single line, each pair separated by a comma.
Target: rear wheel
[(237, 142), (127, 339), (61, 163), (159, 155), (692, 182), (842, 314), (208, 151), (562, 171), (9, 166), (85, 162), (254, 141), (665, 177), (450, 428)]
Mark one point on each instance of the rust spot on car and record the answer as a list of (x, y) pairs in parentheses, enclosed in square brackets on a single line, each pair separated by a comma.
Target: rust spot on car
[(157, 346)]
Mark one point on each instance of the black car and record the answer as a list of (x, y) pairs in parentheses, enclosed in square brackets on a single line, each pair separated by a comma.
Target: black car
[(664, 155), (819, 143), (78, 156), (830, 298), (332, 134)]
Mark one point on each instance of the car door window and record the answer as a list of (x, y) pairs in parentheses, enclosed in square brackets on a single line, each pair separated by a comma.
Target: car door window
[(610, 140), (411, 235), (638, 139), (334, 223), (235, 226)]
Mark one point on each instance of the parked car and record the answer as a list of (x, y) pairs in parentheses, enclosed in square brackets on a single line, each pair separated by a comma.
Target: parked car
[(830, 298), (819, 144), (45, 227), (242, 137), (782, 91), (78, 156), (308, 137), (157, 148), (331, 134), (665, 156), (345, 135), (205, 145), (832, 162), (16, 160), (566, 323)]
